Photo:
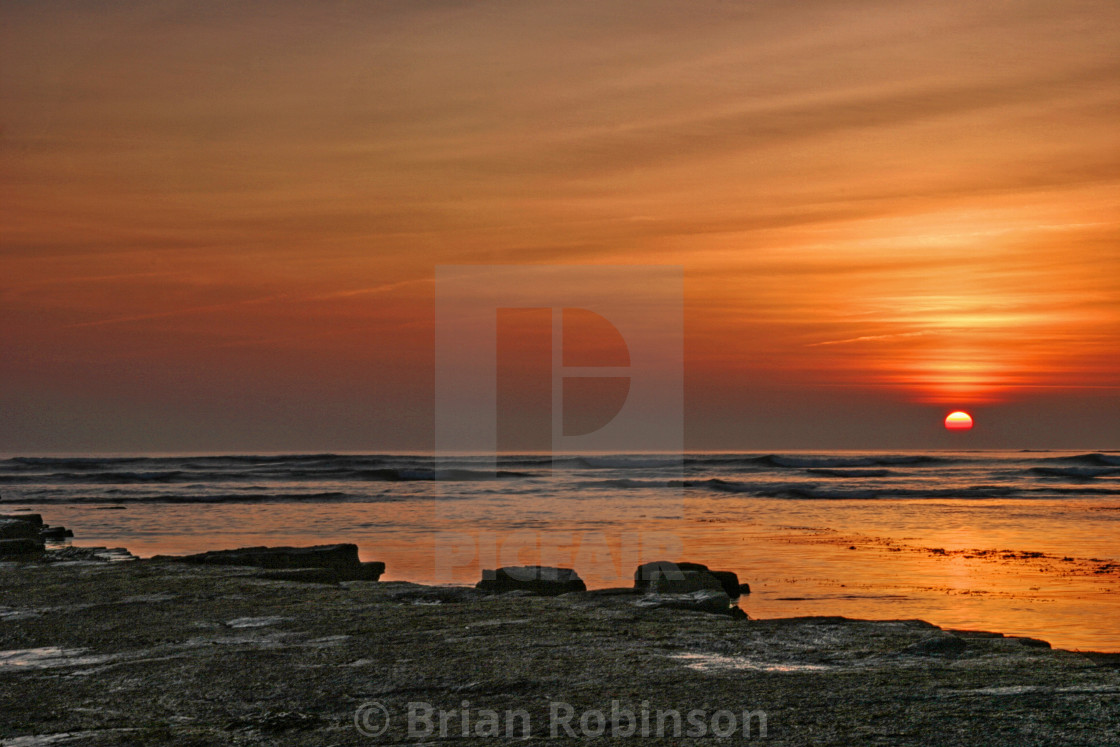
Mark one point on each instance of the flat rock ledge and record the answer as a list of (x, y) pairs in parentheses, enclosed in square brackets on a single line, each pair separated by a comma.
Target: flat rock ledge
[(684, 577), (23, 536), (317, 563), (156, 652), (713, 601), (534, 579)]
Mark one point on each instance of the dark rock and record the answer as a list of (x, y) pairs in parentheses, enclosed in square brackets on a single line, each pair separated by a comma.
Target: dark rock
[(114, 554), (714, 601), (537, 579), (1033, 642), (418, 594), (276, 721), (36, 519), (738, 614), (744, 589), (646, 571), (317, 556), (87, 554), (960, 633), (55, 533), (1102, 659), (307, 575), (614, 591), (20, 547), (667, 569), (729, 580), (372, 570), (938, 645), (685, 582), (18, 529), (363, 572)]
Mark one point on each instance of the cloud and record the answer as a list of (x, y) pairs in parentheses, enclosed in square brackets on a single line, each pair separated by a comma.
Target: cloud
[(872, 338)]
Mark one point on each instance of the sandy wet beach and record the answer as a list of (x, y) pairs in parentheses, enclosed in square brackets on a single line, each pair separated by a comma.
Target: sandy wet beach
[(154, 652)]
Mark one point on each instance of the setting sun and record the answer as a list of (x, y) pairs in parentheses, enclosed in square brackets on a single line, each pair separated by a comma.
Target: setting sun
[(958, 421)]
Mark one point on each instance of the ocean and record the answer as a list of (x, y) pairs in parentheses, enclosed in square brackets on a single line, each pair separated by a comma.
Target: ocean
[(1025, 543)]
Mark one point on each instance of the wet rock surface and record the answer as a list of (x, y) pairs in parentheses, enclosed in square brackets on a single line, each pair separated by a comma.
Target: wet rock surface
[(149, 652), (55, 533), (316, 556), (324, 564), (535, 579), (20, 547), (28, 526), (703, 600), (685, 582), (937, 645), (682, 577), (18, 529), (36, 519)]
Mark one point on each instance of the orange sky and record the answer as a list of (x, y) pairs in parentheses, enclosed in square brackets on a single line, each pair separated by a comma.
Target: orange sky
[(220, 224)]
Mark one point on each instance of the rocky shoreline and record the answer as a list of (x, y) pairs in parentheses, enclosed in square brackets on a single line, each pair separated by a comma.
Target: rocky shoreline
[(255, 647), (23, 535)]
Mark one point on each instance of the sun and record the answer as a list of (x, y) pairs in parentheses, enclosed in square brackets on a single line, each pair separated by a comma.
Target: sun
[(958, 421)]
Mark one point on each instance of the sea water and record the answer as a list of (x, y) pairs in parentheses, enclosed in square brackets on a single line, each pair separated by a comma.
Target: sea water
[(1025, 543)]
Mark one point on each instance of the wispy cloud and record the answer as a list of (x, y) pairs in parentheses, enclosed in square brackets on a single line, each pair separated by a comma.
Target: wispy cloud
[(872, 338), (190, 311)]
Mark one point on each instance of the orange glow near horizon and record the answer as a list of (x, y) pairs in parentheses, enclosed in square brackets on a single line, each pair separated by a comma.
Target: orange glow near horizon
[(231, 222)]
